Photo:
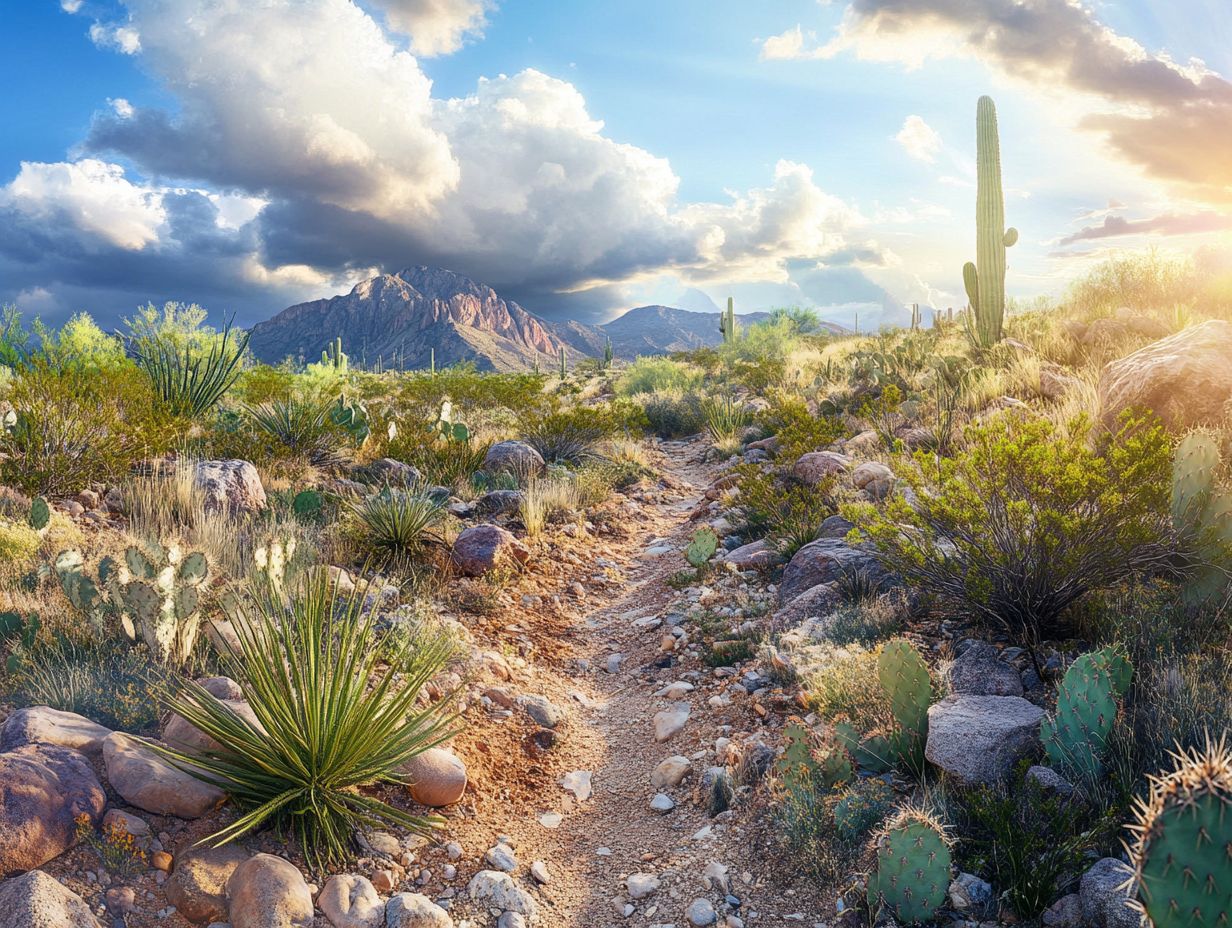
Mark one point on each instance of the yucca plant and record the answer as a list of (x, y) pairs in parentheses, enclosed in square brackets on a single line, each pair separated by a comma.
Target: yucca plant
[(191, 383), (336, 702), (397, 524), (300, 424), (725, 418)]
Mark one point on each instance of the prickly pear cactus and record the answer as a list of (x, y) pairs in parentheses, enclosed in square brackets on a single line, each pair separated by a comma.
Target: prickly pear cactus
[(701, 549), (912, 870), (164, 599), (1077, 735), (873, 753), (1115, 662), (1183, 849), (40, 514), (1202, 511), (796, 762), (904, 677)]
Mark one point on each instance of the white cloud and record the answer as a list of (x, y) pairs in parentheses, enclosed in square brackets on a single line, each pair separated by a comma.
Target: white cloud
[(70, 6), (124, 39), (436, 27), (122, 107), (919, 139), (790, 45)]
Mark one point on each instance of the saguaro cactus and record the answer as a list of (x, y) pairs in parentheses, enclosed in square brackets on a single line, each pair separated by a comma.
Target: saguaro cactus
[(985, 279), (727, 322)]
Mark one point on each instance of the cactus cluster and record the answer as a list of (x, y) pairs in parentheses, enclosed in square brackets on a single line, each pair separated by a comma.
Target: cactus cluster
[(985, 279), (801, 766), (1076, 736), (352, 417), (40, 514), (917, 317), (904, 677), (564, 364), (702, 547), (1202, 511), (447, 428), (1182, 853), (334, 356), (727, 322), (912, 872)]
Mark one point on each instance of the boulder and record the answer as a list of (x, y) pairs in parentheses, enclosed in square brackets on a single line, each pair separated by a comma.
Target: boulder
[(43, 789), (389, 472), (223, 687), (1066, 912), (1185, 379), (44, 725), (1105, 892), (268, 892), (814, 603), (415, 910), (979, 739), (824, 561), (873, 478), (351, 901), (979, 672), (436, 777), (37, 900), (757, 555), (498, 890), (815, 467), (498, 502), (181, 735), (148, 782), (230, 486), (834, 526), (512, 457), (481, 548), (198, 885)]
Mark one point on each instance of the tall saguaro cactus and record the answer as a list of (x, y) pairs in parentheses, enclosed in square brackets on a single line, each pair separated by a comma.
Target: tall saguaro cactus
[(985, 279), (727, 321)]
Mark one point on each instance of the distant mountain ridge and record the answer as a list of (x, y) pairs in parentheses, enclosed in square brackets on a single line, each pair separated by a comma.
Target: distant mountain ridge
[(397, 319)]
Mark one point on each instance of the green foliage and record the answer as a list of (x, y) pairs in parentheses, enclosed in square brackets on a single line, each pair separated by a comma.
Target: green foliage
[(419, 394), (671, 414), (396, 525), (1202, 515), (351, 416), (702, 547), (912, 871), (188, 381), (572, 436), (1183, 852), (1026, 521), (22, 632), (19, 544), (985, 279), (781, 509), (300, 426), (308, 505), (725, 418), (1076, 737), (40, 514), (658, 373), (338, 708), (727, 322), (861, 807)]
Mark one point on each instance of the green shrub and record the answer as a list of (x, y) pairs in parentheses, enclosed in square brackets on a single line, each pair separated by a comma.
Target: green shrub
[(190, 381), (1025, 522), (671, 414), (338, 705), (797, 429), (299, 427), (19, 543), (573, 435), (396, 525), (725, 419), (845, 686), (782, 510), (420, 394), (658, 374)]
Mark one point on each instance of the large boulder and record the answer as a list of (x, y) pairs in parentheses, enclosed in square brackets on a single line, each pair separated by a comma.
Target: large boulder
[(979, 672), (756, 555), (43, 789), (1105, 895), (351, 901), (268, 892), (37, 900), (44, 725), (512, 457), (824, 561), (816, 467), (1185, 379), (874, 478), (198, 885), (980, 739), (435, 777), (181, 735), (482, 548), (148, 782), (230, 486), (814, 603)]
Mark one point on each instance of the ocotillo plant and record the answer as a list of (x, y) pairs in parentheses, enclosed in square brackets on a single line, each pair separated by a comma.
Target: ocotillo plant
[(727, 322), (985, 279)]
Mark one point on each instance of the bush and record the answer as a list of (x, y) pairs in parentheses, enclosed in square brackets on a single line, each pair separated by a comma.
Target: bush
[(190, 380), (657, 374), (571, 436), (782, 510), (19, 544), (797, 429), (846, 686), (338, 706), (441, 462), (1025, 522), (300, 427), (397, 525), (671, 414), (421, 394)]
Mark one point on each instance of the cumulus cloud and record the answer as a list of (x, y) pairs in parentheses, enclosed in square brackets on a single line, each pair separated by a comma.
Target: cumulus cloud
[(919, 139), (123, 39), (791, 45), (1157, 113), (1166, 224), (436, 27)]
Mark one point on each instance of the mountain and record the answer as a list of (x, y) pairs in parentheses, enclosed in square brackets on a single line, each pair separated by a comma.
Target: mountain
[(398, 319)]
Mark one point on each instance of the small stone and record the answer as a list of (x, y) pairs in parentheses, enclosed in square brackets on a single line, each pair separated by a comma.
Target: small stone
[(662, 803), (501, 857), (539, 871), (551, 820), (700, 913), (670, 772), (384, 880), (641, 885), (161, 860), (511, 920), (413, 910), (351, 901), (670, 721), (542, 711), (578, 782)]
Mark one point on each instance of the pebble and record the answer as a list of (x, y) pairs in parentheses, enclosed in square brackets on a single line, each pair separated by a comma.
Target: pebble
[(539, 870), (701, 913), (578, 783), (501, 857), (662, 803), (551, 820)]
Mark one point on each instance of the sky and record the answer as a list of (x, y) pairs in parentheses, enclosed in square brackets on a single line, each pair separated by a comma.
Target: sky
[(586, 157)]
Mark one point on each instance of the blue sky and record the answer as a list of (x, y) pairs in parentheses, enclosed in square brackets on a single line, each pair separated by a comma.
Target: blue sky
[(587, 157)]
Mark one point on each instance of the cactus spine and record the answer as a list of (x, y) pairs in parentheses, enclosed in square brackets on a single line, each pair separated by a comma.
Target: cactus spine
[(1182, 855), (1202, 512), (985, 279), (913, 868), (727, 322), (1076, 737)]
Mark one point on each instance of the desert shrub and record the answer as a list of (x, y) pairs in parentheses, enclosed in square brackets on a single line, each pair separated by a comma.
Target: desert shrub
[(658, 374), (421, 394), (542, 498), (338, 705), (442, 462), (19, 544), (189, 380), (673, 414), (573, 435), (797, 429), (77, 426), (396, 525), (844, 685), (261, 383), (867, 621), (804, 813), (787, 513), (299, 426), (1023, 523), (725, 419)]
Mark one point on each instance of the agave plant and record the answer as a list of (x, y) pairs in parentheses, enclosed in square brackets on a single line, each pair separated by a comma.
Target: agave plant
[(187, 382), (300, 424), (336, 706), (398, 523)]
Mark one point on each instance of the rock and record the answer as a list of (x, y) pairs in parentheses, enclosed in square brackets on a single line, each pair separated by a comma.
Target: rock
[(119, 820), (198, 885), (37, 900), (224, 687), (670, 721), (43, 788), (1051, 782), (268, 892), (542, 711), (389, 472), (1054, 383), (700, 913), (817, 466), (825, 561), (498, 502), (757, 555), (230, 486), (351, 901), (1185, 379), (1066, 912), (501, 857), (670, 772), (148, 782), (641, 885), (437, 777), (180, 735), (579, 783), (873, 478), (161, 860), (121, 900), (44, 725), (540, 874), (482, 548), (512, 457), (415, 910), (511, 920), (969, 891), (834, 526), (498, 890), (1104, 903), (814, 603), (979, 739), (662, 803), (979, 672)]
